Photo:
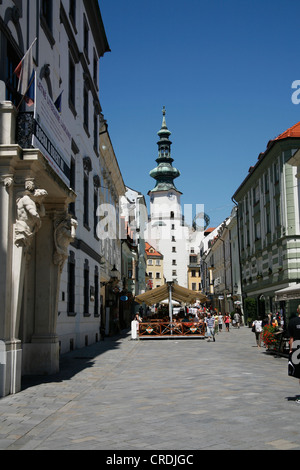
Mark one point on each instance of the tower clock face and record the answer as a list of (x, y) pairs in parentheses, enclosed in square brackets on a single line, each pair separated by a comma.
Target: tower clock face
[(171, 196)]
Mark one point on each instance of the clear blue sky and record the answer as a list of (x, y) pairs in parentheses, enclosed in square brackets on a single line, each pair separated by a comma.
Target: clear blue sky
[(224, 71)]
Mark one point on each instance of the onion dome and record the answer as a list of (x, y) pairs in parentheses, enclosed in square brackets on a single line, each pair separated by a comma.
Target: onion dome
[(164, 173)]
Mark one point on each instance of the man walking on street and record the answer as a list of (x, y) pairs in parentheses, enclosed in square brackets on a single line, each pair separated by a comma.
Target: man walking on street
[(210, 326), (237, 319)]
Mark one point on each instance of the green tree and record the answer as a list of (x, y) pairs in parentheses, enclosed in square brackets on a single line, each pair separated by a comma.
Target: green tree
[(250, 309)]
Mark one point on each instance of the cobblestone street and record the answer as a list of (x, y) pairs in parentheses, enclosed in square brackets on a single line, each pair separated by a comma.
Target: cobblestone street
[(121, 394)]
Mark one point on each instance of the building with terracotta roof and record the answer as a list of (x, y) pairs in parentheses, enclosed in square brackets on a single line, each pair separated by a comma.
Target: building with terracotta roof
[(155, 267), (269, 224)]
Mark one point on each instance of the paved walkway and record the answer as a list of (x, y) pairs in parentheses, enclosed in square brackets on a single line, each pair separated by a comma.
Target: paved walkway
[(158, 395)]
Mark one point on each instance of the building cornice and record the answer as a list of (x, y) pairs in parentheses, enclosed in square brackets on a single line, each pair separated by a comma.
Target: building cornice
[(273, 146), (95, 20)]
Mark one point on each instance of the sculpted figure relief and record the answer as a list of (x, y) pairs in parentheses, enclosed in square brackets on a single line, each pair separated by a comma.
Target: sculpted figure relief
[(30, 209), (64, 234)]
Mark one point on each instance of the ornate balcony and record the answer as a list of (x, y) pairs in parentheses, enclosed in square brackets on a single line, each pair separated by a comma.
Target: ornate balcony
[(25, 129)]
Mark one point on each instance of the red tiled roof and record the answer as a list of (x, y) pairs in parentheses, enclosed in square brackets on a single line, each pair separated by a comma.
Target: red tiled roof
[(293, 131), (153, 253)]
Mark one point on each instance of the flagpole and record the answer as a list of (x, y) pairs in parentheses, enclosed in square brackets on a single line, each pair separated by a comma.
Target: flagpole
[(23, 97), (10, 77), (27, 51)]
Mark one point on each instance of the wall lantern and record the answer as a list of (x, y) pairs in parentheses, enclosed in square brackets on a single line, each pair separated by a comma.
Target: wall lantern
[(114, 273)]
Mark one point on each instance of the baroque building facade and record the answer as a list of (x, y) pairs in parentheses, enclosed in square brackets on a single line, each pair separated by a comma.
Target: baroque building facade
[(63, 42), (268, 224)]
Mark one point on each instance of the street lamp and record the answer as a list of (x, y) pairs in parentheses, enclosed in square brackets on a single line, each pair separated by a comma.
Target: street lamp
[(114, 273), (170, 284)]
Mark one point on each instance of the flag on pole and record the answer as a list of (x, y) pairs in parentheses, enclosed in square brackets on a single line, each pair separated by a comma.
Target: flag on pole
[(58, 102), (26, 75)]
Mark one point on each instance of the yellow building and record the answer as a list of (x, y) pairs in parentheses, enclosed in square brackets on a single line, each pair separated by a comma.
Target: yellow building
[(155, 267), (194, 279)]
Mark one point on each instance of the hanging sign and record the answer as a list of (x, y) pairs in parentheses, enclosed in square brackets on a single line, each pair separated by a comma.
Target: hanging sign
[(124, 298)]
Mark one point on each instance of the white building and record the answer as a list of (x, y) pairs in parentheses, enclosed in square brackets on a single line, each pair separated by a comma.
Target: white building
[(135, 215), (68, 39), (111, 189), (166, 230)]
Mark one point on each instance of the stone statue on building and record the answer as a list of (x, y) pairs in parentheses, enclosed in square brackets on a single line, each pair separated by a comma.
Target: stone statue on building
[(64, 233), (30, 209)]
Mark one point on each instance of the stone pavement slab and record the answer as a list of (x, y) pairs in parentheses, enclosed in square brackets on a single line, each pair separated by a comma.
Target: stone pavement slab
[(121, 394)]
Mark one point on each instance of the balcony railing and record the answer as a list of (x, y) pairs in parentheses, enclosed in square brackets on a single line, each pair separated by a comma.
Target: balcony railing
[(25, 129), (162, 329)]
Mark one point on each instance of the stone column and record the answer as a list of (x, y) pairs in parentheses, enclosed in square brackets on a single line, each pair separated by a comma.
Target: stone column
[(41, 351), (10, 347), (29, 213)]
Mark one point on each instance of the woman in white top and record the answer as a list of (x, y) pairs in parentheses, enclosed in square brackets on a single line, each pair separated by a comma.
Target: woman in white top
[(257, 324)]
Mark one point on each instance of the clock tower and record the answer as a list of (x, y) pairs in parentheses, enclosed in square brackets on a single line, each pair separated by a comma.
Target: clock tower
[(166, 230), (164, 197)]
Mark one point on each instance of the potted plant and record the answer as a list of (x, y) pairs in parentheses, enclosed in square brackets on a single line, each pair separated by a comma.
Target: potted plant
[(269, 336)]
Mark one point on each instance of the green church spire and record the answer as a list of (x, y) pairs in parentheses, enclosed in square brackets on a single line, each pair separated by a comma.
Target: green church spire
[(164, 173)]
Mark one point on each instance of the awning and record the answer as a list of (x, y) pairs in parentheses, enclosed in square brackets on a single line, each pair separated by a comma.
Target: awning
[(179, 293), (288, 293)]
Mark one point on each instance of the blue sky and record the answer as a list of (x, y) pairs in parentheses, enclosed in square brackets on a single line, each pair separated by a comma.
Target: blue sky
[(223, 70)]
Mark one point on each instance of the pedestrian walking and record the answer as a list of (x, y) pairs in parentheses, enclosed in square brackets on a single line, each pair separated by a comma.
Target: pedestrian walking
[(294, 342), (216, 317), (257, 329), (210, 326), (237, 319), (227, 321), (220, 322)]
